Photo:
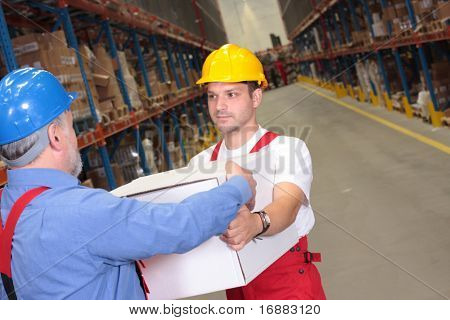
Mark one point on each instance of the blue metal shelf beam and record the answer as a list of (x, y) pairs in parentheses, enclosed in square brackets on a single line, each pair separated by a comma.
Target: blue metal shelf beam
[(197, 60), (204, 107), (354, 16), (188, 56), (113, 53), (383, 73), (401, 71), (138, 51), (159, 63), (411, 15), (384, 5), (182, 64), (343, 20), (176, 124), (197, 118), (8, 53), (366, 9), (162, 140), (423, 59), (126, 97), (336, 28), (172, 64)]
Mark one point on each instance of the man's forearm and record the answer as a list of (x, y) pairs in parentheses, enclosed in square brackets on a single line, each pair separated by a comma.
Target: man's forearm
[(283, 210)]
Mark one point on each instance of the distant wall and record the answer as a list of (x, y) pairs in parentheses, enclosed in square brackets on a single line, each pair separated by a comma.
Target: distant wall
[(182, 13), (249, 23)]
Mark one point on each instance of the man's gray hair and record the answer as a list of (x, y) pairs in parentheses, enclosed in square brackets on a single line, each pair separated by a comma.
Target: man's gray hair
[(12, 152)]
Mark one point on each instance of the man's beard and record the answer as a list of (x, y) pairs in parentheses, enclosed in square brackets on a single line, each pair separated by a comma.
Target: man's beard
[(226, 128), (229, 129), (76, 164)]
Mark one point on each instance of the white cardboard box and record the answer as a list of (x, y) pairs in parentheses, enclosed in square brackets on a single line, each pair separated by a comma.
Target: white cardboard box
[(212, 266)]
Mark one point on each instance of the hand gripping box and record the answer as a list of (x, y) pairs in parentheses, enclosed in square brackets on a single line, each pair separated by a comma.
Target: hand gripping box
[(212, 266)]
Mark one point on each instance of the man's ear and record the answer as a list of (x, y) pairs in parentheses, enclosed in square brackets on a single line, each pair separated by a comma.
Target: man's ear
[(257, 97), (55, 136)]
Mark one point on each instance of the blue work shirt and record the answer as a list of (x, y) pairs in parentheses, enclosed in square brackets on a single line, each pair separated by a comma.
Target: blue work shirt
[(73, 242)]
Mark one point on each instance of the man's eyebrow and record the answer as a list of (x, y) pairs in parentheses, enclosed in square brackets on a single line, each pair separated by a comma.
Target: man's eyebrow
[(229, 90)]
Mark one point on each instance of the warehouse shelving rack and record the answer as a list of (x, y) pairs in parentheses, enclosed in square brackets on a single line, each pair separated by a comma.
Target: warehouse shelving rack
[(324, 16), (137, 27)]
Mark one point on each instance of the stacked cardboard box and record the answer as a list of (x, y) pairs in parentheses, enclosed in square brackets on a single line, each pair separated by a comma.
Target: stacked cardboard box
[(193, 77), (49, 51), (106, 83), (89, 61), (378, 26), (423, 7), (444, 11), (158, 88), (427, 17), (130, 82), (397, 16), (361, 38)]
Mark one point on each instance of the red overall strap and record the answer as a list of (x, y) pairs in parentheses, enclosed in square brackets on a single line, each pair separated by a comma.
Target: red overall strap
[(7, 233), (215, 153), (265, 140), (144, 285)]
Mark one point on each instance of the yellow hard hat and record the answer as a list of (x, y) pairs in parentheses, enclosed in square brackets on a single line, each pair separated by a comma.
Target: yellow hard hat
[(231, 63)]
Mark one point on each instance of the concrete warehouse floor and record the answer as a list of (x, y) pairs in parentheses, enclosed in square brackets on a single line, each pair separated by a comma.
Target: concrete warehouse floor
[(381, 197)]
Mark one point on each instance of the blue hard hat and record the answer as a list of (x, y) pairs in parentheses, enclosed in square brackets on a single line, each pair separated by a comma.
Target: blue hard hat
[(29, 100)]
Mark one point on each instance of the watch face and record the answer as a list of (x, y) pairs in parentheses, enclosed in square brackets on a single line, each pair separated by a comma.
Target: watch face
[(266, 220)]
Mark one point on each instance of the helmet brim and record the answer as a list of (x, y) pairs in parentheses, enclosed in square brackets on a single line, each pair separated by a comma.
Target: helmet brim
[(263, 83), (73, 95)]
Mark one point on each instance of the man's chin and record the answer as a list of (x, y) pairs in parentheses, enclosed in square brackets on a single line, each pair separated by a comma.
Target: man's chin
[(227, 129)]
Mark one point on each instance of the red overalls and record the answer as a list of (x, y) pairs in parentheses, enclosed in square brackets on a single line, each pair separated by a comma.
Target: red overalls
[(292, 276), (6, 237)]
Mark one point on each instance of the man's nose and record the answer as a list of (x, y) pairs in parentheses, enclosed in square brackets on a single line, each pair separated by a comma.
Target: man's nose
[(220, 104)]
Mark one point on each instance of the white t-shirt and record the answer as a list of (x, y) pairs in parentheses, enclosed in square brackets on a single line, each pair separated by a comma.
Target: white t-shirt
[(293, 164)]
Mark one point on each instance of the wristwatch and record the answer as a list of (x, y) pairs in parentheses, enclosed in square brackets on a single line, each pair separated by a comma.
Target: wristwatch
[(265, 221)]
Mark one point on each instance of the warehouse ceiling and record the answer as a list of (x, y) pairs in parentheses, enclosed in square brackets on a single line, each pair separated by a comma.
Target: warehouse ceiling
[(294, 11)]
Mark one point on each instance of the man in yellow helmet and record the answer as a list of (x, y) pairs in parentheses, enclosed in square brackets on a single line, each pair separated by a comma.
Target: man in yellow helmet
[(235, 80)]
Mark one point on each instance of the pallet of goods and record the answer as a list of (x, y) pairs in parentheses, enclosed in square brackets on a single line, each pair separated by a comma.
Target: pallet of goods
[(49, 51)]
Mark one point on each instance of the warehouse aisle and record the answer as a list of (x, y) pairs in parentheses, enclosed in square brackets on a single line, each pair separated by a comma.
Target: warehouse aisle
[(381, 197)]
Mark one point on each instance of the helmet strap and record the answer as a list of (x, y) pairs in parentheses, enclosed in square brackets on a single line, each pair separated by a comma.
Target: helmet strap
[(40, 145)]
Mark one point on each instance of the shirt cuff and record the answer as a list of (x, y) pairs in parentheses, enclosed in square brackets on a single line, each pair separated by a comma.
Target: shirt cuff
[(242, 185)]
